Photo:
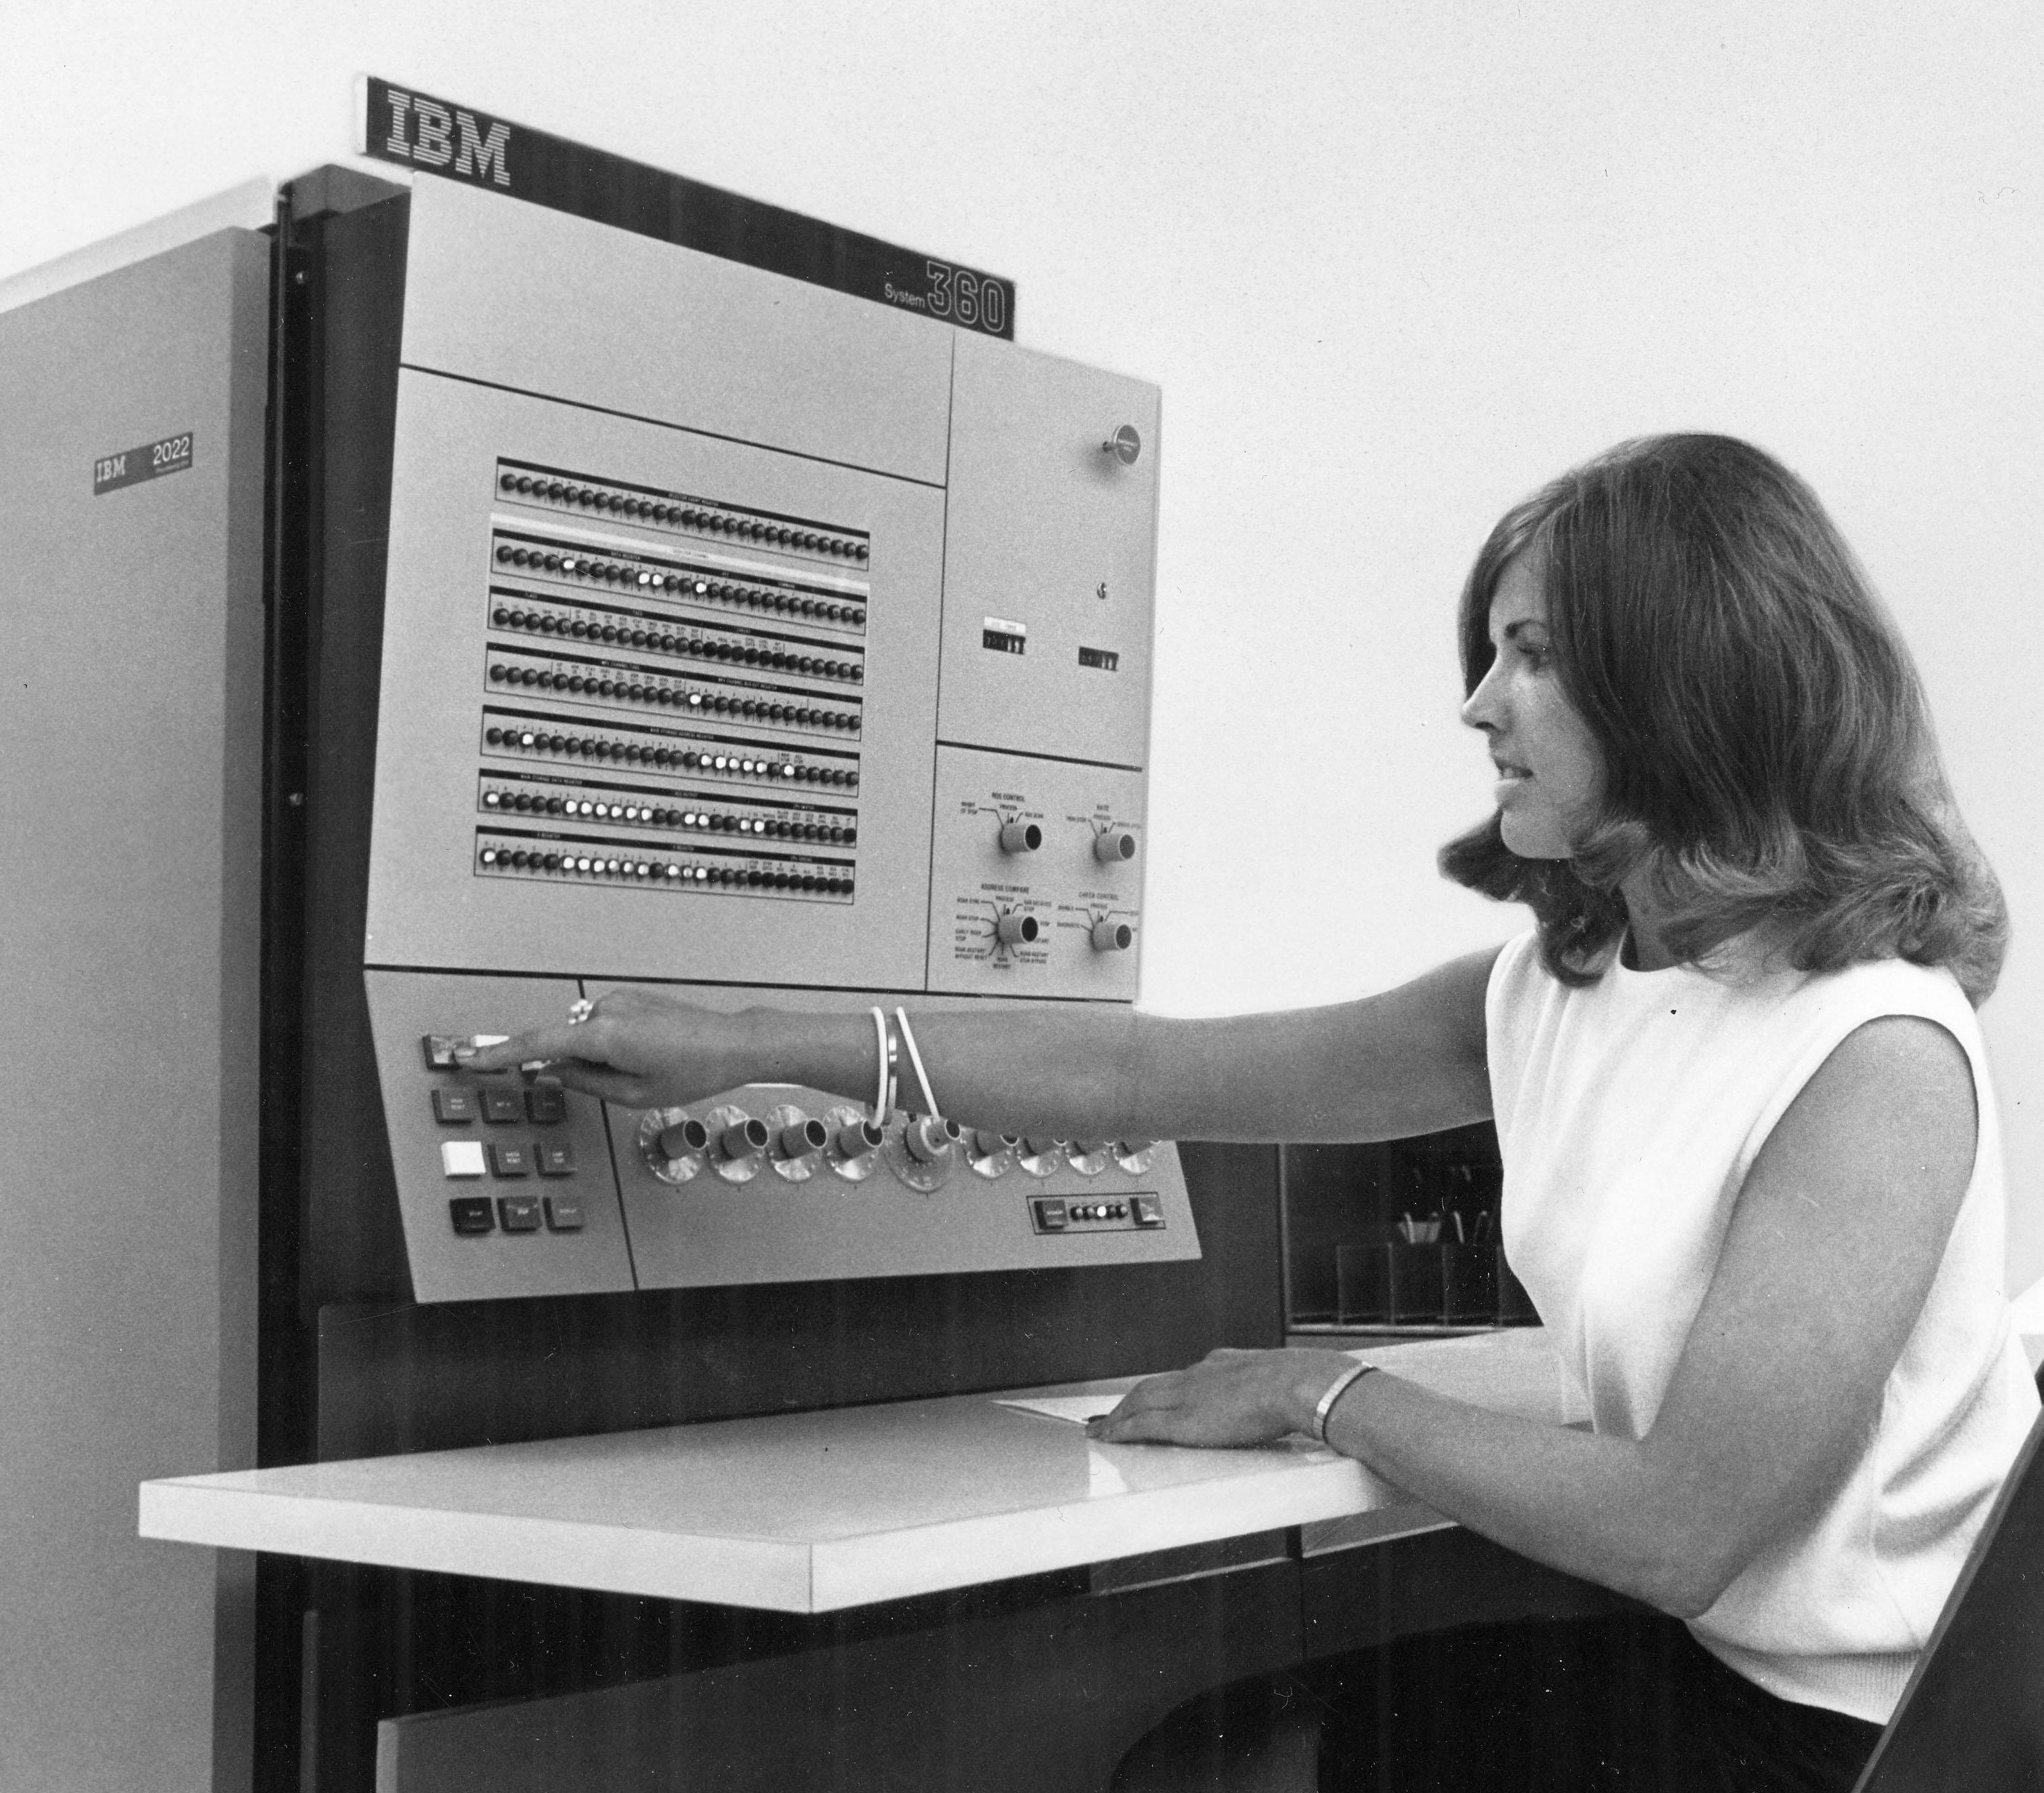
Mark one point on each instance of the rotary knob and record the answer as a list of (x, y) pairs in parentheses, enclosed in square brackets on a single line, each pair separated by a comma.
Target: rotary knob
[(1020, 837), (1134, 1156), (800, 1137), (854, 1146), (673, 1145), (742, 1139), (1040, 1156), (990, 1154), (683, 1137), (738, 1144), (1088, 1157), (1111, 936), (1014, 929), (1114, 846), (928, 1140), (922, 1153), (798, 1143)]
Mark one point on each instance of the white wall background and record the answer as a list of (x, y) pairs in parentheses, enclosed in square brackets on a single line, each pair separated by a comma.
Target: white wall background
[(1393, 265)]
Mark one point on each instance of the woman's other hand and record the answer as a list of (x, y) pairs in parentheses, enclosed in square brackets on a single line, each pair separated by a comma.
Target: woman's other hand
[(1229, 1397)]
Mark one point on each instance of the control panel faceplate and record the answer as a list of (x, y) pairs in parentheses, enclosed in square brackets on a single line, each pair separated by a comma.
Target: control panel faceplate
[(510, 1186)]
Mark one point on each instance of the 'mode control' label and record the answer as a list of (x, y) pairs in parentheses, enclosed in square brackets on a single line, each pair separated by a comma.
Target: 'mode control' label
[(132, 466)]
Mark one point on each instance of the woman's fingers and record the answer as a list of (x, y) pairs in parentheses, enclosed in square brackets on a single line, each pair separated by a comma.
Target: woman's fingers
[(1227, 1398), (622, 1089), (555, 1040)]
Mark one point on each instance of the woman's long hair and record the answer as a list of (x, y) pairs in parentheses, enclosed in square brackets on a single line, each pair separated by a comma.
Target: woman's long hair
[(1769, 757)]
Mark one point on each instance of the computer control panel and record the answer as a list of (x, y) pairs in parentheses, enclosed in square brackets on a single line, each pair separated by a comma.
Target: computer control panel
[(738, 688)]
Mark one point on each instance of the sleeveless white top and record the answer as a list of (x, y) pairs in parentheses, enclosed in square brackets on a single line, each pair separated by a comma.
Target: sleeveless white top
[(1629, 1111)]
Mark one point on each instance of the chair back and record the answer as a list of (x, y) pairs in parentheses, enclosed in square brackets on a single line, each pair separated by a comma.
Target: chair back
[(1971, 1718)]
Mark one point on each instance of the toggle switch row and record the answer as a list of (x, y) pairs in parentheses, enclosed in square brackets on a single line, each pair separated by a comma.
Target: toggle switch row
[(643, 815), (692, 585), (507, 612), (689, 584), (500, 856), (680, 759), (673, 511), (594, 682)]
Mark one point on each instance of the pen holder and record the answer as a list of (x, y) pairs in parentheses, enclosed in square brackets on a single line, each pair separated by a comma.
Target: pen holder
[(1469, 1282), (1415, 1277), (1514, 1306), (1362, 1283)]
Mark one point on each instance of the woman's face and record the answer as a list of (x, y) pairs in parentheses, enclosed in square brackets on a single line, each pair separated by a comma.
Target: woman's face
[(1549, 771)]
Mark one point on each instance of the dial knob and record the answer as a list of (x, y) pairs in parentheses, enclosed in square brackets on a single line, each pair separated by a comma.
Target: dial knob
[(1020, 837), (1111, 936), (990, 1145), (1014, 929), (741, 1140), (929, 1140), (799, 1139), (857, 1140), (683, 1138), (1114, 846)]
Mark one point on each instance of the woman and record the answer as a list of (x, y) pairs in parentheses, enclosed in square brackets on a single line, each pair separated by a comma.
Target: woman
[(1753, 1181)]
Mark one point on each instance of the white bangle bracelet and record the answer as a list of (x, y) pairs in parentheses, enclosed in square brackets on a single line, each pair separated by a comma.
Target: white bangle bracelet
[(1336, 1389), (880, 1102), (916, 1058)]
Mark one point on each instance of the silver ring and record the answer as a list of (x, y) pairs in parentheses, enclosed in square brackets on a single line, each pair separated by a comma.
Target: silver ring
[(579, 1011)]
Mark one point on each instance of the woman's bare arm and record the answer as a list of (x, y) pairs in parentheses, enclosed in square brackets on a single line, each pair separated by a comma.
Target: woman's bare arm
[(1408, 1060), (1837, 1233)]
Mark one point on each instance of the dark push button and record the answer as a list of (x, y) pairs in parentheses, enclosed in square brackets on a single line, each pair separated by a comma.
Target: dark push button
[(453, 1105), (520, 1213), (471, 1213), (501, 1104), (511, 1157), (564, 1213), (556, 1157), (1148, 1209), (546, 1103), (1050, 1212)]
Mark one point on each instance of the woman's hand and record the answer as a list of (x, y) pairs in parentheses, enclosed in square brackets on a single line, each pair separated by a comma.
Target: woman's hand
[(1228, 1398), (638, 1048)]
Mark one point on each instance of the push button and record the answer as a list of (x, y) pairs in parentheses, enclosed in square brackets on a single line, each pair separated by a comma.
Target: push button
[(471, 1213), (1050, 1212), (454, 1105), (564, 1213), (511, 1157), (556, 1157), (501, 1104), (546, 1104), (461, 1157), (519, 1214), (1147, 1210)]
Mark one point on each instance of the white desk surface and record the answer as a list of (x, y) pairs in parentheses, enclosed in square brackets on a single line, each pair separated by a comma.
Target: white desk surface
[(811, 1512)]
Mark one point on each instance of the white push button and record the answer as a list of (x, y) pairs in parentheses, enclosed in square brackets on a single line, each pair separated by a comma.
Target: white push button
[(462, 1157)]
